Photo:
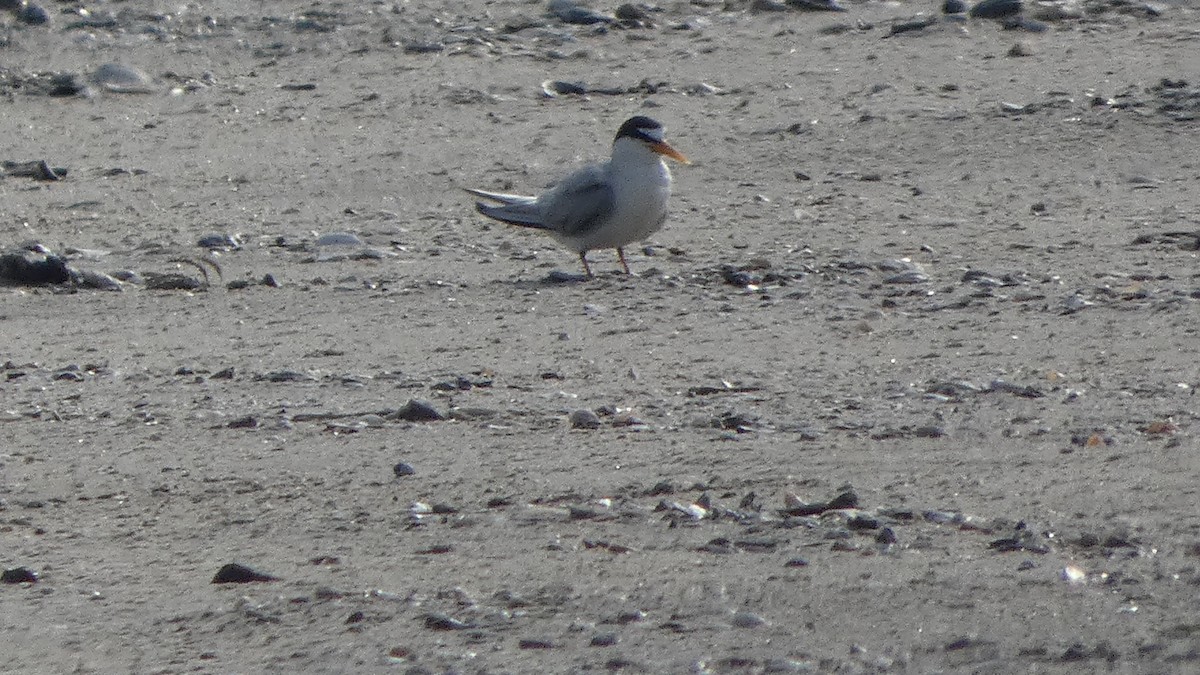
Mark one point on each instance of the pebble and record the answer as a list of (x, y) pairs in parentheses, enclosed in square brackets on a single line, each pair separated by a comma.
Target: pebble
[(439, 621), (340, 239), (1020, 49), (605, 640), (219, 242), (584, 419), (418, 410), (34, 269), (815, 5), (247, 422), (34, 15), (555, 88), (235, 573), (99, 281), (122, 79), (569, 11), (19, 575), (536, 643), (403, 469), (996, 9)]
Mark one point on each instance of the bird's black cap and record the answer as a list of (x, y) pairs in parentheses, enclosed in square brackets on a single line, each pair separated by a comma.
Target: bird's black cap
[(637, 127)]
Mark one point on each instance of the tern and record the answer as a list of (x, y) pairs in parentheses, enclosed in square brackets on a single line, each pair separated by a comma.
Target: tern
[(607, 205)]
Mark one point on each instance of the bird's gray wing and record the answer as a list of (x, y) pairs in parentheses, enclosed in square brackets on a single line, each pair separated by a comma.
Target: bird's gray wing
[(579, 202)]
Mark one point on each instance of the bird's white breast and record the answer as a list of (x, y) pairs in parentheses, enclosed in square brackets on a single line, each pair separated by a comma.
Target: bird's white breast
[(641, 185)]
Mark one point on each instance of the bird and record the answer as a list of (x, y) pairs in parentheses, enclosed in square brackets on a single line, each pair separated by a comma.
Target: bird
[(607, 205)]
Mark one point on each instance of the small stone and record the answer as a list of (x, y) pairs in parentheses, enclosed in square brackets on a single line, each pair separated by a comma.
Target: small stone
[(635, 616), (122, 79), (34, 15), (269, 281), (439, 621), (340, 239), (661, 488), (418, 410), (403, 469), (234, 573), (535, 643), (355, 617), (19, 575), (247, 422), (1020, 49), (863, 522), (996, 9), (584, 419), (605, 640), (218, 241)]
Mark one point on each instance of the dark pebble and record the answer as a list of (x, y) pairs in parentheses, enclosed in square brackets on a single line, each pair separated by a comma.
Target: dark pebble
[(34, 15), (247, 422), (224, 374), (439, 621), (218, 241), (565, 88), (418, 410), (886, 536), (355, 617), (585, 419), (19, 575), (996, 9), (861, 522), (631, 12), (233, 573), (816, 5), (403, 469), (954, 7), (796, 562), (661, 488), (51, 269), (845, 500), (535, 643), (631, 617), (67, 84), (605, 640), (270, 281)]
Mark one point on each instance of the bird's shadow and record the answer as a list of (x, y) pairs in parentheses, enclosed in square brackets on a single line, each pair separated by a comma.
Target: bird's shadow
[(564, 279)]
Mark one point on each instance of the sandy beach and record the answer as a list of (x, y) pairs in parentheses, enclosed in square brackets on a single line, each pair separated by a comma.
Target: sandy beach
[(905, 384)]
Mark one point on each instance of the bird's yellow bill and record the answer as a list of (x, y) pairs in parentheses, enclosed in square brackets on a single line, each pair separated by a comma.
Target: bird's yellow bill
[(663, 149)]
